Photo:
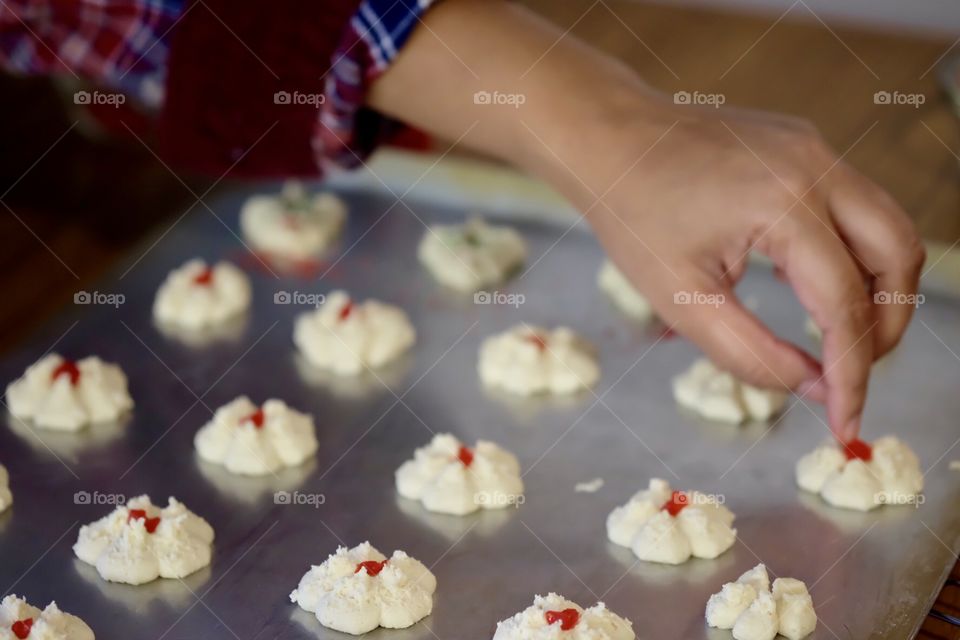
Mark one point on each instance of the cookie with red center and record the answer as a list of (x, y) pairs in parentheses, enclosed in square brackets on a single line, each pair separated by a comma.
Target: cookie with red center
[(357, 590), (553, 616), (293, 225), (20, 620), (447, 476), (200, 296), (471, 256)]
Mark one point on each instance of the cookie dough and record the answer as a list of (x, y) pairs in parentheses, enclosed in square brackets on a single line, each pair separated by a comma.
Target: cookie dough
[(348, 337), (56, 393), (22, 621), (6, 498), (662, 525), (471, 255), (612, 281), (252, 440), (449, 477), (139, 542), (357, 590), (528, 360), (196, 296), (552, 617), (293, 224), (862, 476), (717, 395), (753, 612)]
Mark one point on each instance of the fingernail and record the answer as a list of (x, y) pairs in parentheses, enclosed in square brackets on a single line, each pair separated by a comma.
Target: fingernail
[(814, 389)]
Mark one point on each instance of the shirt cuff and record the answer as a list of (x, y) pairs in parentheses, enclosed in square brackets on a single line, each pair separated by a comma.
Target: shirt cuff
[(347, 131)]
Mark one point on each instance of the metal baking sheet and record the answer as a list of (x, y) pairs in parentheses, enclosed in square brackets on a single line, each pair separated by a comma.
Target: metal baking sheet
[(872, 575)]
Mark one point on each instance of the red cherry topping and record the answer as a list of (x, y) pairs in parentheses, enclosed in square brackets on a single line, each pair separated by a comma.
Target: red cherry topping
[(68, 367), (538, 341), (256, 418), (21, 628), (466, 456), (346, 310), (858, 449), (678, 500), (205, 277), (139, 514), (568, 618), (372, 566)]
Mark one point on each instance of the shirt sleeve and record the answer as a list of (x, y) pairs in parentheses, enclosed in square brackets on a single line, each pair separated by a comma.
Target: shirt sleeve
[(348, 131)]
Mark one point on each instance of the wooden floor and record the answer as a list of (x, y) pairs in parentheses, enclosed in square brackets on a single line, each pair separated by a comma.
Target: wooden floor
[(70, 208)]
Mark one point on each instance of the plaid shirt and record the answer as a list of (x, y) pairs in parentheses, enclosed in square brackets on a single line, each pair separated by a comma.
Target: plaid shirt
[(124, 44)]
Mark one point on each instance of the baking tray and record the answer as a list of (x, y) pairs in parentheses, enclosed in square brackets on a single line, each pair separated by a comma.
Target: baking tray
[(871, 575)]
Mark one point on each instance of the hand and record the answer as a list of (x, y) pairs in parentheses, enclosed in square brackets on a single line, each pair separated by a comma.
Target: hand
[(721, 183)]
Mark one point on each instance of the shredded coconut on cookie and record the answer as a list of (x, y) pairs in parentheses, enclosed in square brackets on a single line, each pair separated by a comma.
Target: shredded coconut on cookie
[(753, 612), (717, 395), (552, 617), (20, 620)]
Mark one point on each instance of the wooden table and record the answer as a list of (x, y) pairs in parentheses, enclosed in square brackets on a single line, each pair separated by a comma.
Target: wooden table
[(74, 206)]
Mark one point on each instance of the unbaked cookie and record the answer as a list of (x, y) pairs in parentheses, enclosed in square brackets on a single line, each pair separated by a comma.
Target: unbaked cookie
[(449, 477), (861, 476), (633, 303), (348, 337), (753, 612), (717, 395), (357, 590), (139, 542), (293, 224), (56, 393), (529, 360), (552, 617), (22, 621), (471, 255), (662, 525), (252, 440), (196, 296)]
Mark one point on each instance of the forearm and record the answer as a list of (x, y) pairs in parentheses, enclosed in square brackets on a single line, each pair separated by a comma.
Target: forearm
[(576, 100)]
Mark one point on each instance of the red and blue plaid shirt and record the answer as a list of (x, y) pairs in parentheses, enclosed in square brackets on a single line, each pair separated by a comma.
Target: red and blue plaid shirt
[(125, 45)]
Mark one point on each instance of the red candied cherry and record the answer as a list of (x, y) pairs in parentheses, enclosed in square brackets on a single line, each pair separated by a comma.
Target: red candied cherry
[(857, 449), (21, 628), (568, 618), (372, 567), (67, 367), (537, 341), (256, 418), (346, 310), (465, 455), (205, 277), (678, 500), (140, 514)]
